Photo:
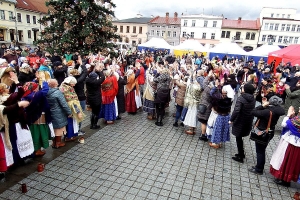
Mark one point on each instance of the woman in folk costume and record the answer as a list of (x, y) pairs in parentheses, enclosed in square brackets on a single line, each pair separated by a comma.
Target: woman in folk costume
[(38, 115), (59, 111), (218, 122), (120, 95), (109, 90), (285, 160), (132, 93), (191, 101), (67, 88), (149, 106)]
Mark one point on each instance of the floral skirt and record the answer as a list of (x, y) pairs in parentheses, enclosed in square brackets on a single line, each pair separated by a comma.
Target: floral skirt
[(220, 132), (149, 106), (108, 112)]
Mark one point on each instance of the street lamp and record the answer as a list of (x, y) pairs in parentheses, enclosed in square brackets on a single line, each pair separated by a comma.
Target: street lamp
[(270, 39)]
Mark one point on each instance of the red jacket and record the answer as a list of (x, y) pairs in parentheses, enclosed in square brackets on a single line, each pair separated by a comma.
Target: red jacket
[(141, 77)]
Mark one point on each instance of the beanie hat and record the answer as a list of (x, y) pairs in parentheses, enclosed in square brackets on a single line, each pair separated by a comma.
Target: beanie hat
[(275, 101), (249, 88), (57, 63)]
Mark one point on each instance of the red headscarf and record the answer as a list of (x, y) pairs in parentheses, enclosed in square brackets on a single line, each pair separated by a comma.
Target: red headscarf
[(29, 87), (109, 89)]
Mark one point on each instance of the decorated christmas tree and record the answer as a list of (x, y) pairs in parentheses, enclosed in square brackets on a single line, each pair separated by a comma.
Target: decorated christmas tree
[(78, 25)]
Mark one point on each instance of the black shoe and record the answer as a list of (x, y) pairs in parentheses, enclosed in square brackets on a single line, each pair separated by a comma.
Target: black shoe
[(243, 156), (175, 124), (255, 172), (95, 126), (238, 159), (157, 123), (160, 124), (282, 183), (118, 118), (203, 138), (182, 124)]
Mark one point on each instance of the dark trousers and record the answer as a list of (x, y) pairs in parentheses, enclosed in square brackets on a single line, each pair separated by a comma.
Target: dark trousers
[(160, 109), (240, 146), (261, 155), (178, 112), (95, 108)]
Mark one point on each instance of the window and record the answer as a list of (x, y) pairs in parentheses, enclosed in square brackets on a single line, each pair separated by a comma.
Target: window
[(158, 26), (185, 23), (192, 34), (203, 35), (193, 23), (205, 24), (263, 38), (288, 27), (274, 38), (10, 15), (20, 35), (214, 23), (183, 34), (276, 27), (293, 27), (163, 26), (266, 26), (28, 19), (121, 29), (280, 39), (127, 29), (19, 17), (272, 14), (2, 14), (174, 26), (277, 15), (223, 34), (169, 26), (296, 40), (227, 34), (29, 33), (282, 27), (271, 26), (291, 40), (283, 15), (34, 19), (152, 26), (252, 36), (213, 35), (285, 39), (248, 36), (163, 33), (288, 16), (157, 33), (152, 32), (140, 30), (169, 33), (134, 29), (298, 28), (238, 35), (174, 34)]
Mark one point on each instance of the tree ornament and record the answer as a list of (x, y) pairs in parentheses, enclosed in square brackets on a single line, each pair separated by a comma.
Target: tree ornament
[(83, 13), (89, 40)]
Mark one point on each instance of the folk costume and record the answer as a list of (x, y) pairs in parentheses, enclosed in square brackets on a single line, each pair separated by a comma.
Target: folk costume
[(132, 96)]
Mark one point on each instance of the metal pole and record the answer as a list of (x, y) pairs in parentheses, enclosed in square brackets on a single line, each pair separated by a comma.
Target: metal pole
[(17, 40)]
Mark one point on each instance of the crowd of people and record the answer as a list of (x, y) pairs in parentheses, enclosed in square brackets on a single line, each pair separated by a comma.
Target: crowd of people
[(51, 92)]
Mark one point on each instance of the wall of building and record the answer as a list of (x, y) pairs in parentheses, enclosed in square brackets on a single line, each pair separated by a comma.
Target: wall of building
[(7, 23), (171, 33)]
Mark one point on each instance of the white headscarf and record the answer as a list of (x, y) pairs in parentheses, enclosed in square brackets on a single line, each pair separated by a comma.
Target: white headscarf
[(70, 80), (230, 92)]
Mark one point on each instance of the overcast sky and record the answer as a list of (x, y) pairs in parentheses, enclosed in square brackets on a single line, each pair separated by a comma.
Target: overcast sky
[(231, 9)]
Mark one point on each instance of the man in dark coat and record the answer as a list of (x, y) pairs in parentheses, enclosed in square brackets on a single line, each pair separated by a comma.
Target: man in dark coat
[(242, 119)]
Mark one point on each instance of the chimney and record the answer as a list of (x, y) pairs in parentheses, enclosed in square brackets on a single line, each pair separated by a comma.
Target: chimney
[(167, 14), (239, 18), (175, 15)]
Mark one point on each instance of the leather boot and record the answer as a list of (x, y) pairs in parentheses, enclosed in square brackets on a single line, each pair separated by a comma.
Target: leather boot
[(58, 142), (160, 120), (157, 120), (92, 121), (95, 126)]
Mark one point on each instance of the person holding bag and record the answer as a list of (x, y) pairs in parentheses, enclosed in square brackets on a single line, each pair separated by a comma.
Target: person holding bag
[(268, 115)]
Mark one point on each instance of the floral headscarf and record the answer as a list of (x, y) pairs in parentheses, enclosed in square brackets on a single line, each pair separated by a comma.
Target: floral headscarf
[(29, 87)]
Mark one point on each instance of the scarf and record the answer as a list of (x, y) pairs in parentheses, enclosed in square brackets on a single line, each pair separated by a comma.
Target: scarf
[(69, 92), (5, 123), (3, 98), (29, 87), (131, 83), (109, 89)]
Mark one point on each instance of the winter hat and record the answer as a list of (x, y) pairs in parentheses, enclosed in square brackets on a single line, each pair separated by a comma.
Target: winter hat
[(2, 61), (29, 87), (25, 65), (31, 51), (249, 88), (87, 66), (275, 101), (57, 63)]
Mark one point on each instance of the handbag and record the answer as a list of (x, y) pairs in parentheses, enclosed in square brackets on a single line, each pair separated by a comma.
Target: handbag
[(261, 137), (202, 108)]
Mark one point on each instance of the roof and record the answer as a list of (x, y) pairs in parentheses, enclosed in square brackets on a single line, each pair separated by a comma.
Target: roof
[(33, 5), (241, 24), (140, 20), (165, 20)]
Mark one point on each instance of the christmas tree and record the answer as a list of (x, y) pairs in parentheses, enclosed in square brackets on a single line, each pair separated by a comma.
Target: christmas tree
[(78, 25)]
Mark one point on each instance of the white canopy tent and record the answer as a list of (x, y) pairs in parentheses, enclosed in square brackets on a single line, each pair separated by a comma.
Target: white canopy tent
[(227, 48), (263, 51), (192, 45), (158, 43)]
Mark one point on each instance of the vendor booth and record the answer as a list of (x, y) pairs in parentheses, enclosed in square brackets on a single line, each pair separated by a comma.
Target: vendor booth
[(229, 49), (262, 52), (288, 54), (155, 44), (190, 47)]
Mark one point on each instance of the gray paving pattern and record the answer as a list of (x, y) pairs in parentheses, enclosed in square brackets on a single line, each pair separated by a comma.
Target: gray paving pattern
[(134, 159)]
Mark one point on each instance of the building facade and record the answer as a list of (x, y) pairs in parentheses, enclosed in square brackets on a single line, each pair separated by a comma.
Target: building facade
[(204, 28), (166, 27), (279, 27), (133, 30), (19, 20), (243, 32)]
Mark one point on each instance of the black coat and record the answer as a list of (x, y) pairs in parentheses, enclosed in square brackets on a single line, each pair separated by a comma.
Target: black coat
[(264, 113), (60, 74), (241, 117), (55, 59), (121, 95), (79, 87), (93, 86), (25, 77)]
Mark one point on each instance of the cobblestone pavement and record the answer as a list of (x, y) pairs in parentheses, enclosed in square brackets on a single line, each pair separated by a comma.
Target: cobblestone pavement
[(134, 159)]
